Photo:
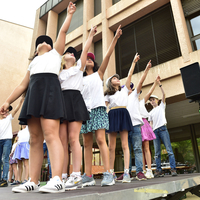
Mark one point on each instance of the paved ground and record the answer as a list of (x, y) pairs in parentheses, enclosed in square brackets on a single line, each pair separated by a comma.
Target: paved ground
[(118, 191)]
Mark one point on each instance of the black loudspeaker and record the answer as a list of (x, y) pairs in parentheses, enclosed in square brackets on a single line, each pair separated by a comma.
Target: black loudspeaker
[(191, 81)]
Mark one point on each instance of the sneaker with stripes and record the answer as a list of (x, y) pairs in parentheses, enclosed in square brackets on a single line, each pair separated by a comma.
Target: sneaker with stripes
[(55, 185), (27, 187)]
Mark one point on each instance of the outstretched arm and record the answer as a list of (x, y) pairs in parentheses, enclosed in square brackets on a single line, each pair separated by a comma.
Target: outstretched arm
[(146, 98), (17, 92), (18, 106), (60, 42), (87, 46), (163, 93), (144, 75), (104, 64), (131, 70)]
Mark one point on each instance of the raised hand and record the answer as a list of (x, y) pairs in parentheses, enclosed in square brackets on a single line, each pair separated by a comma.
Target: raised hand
[(4, 108), (149, 65), (118, 32), (136, 58), (93, 30), (158, 78), (71, 8)]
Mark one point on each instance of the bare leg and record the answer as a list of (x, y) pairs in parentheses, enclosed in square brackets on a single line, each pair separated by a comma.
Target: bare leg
[(101, 141), (125, 148), (26, 167), (74, 129), (14, 166), (19, 164), (144, 167), (64, 141), (50, 128), (88, 142), (112, 145), (10, 173), (147, 153), (36, 148)]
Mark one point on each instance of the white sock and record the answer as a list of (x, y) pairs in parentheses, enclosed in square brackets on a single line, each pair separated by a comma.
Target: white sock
[(126, 171), (64, 176), (111, 171), (76, 173)]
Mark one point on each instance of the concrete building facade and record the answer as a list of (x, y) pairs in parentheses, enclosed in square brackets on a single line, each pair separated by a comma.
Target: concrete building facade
[(15, 47), (167, 32)]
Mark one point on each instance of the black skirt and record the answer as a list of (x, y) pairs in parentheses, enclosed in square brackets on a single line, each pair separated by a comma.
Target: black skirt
[(43, 98), (75, 107)]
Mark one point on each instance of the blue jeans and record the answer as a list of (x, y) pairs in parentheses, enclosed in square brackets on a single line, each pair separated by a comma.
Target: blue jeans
[(162, 134), (5, 148), (48, 159), (135, 140)]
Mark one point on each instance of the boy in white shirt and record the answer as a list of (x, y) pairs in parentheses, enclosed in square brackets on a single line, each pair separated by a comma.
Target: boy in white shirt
[(6, 141), (158, 123)]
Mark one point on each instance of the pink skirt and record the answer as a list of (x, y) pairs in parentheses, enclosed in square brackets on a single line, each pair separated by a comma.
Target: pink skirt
[(147, 132)]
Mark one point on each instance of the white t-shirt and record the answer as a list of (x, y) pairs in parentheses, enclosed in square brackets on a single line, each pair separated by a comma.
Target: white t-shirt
[(72, 78), (49, 62), (6, 128), (120, 98), (93, 96), (157, 115), (23, 135), (134, 108), (143, 111), (86, 94)]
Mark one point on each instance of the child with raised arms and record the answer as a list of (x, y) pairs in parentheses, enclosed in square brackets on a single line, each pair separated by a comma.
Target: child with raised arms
[(134, 136), (119, 117), (43, 109), (147, 132), (71, 80), (158, 123), (94, 99)]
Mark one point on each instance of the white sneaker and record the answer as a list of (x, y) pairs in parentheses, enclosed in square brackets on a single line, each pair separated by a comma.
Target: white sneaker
[(55, 185), (149, 174), (73, 182), (27, 187), (64, 180)]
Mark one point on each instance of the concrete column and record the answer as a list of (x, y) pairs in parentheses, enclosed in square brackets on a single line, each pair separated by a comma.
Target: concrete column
[(107, 36), (39, 29), (182, 31), (88, 13), (52, 24)]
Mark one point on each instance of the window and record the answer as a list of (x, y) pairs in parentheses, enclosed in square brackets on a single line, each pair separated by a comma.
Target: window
[(47, 6), (192, 13), (194, 26), (154, 37), (98, 52), (115, 1), (97, 7), (77, 19)]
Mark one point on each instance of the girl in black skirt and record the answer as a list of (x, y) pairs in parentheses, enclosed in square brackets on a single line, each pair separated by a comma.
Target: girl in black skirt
[(43, 109), (71, 80), (119, 118)]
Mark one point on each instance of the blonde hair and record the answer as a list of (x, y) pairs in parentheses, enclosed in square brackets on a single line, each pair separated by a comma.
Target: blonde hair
[(15, 140), (63, 62)]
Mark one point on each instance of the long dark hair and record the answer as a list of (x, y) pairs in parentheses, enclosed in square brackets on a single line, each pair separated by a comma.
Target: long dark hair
[(111, 90), (95, 68)]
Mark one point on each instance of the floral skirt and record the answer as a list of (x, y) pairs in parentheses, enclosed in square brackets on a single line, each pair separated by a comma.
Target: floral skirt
[(98, 120)]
